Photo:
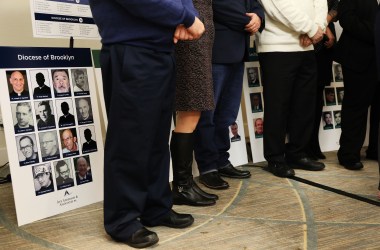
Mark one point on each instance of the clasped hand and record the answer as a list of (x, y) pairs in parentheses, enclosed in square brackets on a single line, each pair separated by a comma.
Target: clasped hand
[(254, 25), (194, 32)]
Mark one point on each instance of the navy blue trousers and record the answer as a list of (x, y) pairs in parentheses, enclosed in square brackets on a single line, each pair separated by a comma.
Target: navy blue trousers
[(138, 91), (212, 138)]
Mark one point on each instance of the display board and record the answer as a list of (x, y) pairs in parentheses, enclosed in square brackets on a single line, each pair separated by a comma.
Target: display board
[(254, 103), (63, 18), (238, 150), (52, 129), (330, 124)]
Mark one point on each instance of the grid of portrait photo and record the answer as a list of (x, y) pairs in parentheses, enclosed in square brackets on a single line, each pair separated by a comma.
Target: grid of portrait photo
[(254, 103), (253, 88), (54, 128), (333, 97)]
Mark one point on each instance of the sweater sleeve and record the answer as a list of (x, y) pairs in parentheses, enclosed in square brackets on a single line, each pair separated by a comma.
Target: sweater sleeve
[(168, 13), (291, 16), (321, 10)]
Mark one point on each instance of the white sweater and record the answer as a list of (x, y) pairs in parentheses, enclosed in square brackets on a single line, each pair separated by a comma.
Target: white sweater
[(286, 20)]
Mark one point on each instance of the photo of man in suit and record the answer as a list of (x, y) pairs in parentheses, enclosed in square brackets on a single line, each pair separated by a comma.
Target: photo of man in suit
[(43, 179), (49, 146), (89, 145), (18, 86), (66, 119), (23, 113), (235, 133), (63, 171), (80, 82), (338, 73), (45, 117), (259, 128), (327, 119), (28, 150), (337, 119), (69, 142), (42, 91), (84, 110), (83, 170), (330, 96), (253, 77), (256, 103), (340, 94)]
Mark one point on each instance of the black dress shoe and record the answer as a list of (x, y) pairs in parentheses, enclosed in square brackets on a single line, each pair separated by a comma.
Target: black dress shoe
[(213, 180), (142, 238), (176, 220), (203, 193), (352, 165), (232, 172), (280, 169), (306, 163)]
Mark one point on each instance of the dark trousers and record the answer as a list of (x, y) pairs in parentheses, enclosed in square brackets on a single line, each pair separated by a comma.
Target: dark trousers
[(378, 151), (361, 90), (324, 69), (212, 138), (289, 87), (138, 92)]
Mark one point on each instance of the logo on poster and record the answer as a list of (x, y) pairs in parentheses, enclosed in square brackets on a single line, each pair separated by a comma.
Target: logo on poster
[(67, 200)]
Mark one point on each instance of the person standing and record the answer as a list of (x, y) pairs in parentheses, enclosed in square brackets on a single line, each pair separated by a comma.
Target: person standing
[(355, 51), (289, 81), (194, 93), (234, 22), (377, 45), (138, 66)]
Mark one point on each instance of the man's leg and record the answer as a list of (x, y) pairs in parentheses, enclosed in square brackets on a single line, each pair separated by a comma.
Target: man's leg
[(279, 74), (357, 99), (205, 144), (302, 106), (136, 101), (230, 76)]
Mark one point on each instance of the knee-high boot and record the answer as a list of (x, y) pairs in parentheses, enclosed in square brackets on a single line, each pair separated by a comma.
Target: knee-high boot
[(185, 191)]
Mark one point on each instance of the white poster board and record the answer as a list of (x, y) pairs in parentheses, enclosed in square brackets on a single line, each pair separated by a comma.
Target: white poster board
[(238, 150), (63, 18), (329, 134), (52, 130), (254, 103)]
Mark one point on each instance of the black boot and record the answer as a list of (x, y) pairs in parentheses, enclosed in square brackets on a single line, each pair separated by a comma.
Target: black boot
[(184, 189)]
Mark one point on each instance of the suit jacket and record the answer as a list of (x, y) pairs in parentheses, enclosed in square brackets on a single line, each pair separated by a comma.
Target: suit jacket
[(356, 46), (231, 41), (377, 39)]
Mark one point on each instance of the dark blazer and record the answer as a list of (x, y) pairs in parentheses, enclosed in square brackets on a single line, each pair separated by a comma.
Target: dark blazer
[(377, 39), (356, 47), (229, 21)]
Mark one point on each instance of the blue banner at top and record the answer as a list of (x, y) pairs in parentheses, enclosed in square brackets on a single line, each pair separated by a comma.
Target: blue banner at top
[(36, 57)]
